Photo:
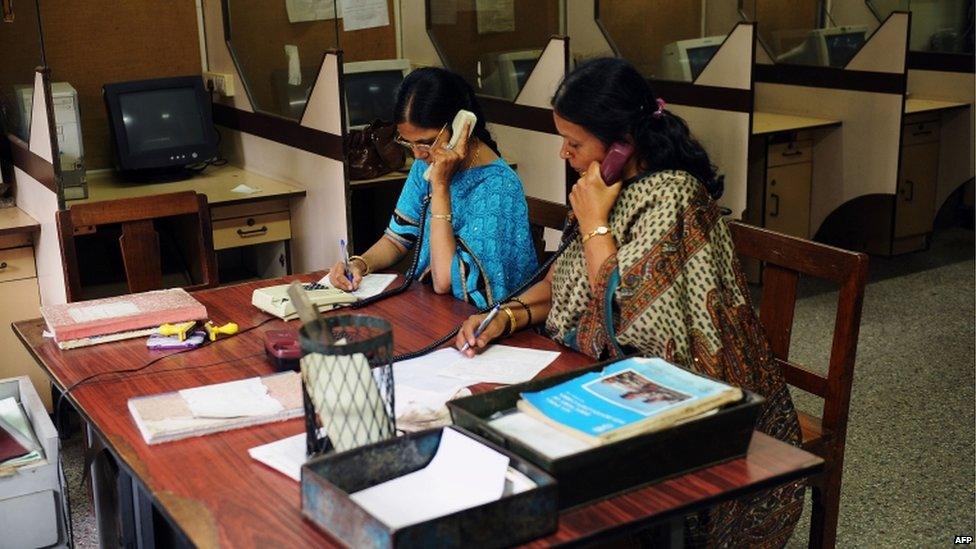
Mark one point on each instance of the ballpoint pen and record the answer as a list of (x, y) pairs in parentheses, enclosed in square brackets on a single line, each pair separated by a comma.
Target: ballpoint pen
[(345, 259), (484, 324)]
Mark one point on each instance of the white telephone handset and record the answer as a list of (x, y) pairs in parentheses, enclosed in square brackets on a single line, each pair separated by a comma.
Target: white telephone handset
[(460, 119)]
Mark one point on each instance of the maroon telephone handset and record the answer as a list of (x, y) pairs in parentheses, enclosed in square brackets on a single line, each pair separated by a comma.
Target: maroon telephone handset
[(613, 164)]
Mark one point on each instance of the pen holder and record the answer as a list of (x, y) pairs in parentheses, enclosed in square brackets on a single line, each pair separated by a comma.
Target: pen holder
[(347, 382)]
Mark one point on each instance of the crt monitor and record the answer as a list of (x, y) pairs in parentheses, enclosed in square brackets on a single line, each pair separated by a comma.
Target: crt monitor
[(160, 125), (839, 44), (684, 60), (371, 88), (503, 74)]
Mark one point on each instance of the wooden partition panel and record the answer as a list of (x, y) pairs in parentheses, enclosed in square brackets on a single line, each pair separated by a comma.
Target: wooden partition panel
[(260, 29), (95, 42), (461, 45), (639, 29)]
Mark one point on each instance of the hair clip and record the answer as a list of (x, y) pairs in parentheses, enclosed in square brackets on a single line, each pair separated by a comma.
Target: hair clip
[(660, 108)]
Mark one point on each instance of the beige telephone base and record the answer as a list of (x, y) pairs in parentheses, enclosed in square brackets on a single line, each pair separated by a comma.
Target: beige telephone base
[(274, 299)]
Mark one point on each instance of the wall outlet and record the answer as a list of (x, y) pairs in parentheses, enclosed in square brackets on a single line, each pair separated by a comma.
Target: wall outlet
[(220, 82)]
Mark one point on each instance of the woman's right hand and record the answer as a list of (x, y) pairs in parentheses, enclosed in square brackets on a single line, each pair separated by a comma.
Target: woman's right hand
[(337, 275), (490, 333)]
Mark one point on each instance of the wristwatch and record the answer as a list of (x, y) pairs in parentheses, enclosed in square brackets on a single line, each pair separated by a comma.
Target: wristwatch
[(601, 230)]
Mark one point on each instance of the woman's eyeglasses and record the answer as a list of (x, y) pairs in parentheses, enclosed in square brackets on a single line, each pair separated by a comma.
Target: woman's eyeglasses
[(422, 147)]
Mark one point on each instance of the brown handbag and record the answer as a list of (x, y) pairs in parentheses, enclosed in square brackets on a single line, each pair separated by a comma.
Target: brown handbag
[(372, 151)]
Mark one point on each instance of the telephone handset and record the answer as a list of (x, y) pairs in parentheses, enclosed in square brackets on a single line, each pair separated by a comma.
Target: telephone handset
[(460, 119), (613, 163)]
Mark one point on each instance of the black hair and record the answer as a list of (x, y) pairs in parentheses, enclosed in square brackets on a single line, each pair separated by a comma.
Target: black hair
[(610, 99), (430, 97)]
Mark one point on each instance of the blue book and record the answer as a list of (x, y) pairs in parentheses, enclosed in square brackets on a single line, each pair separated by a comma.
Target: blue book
[(627, 398)]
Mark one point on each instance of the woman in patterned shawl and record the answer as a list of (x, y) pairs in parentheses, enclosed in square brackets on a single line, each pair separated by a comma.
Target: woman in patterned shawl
[(477, 243), (652, 270)]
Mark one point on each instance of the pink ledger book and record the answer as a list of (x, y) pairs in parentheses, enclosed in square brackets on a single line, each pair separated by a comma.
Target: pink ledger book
[(122, 313)]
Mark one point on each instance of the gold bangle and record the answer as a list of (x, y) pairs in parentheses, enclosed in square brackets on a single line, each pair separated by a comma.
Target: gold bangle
[(445, 217), (512, 324), (364, 262)]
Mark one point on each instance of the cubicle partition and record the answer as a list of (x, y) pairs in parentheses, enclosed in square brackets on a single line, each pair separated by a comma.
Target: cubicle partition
[(307, 154), (856, 166), (523, 126)]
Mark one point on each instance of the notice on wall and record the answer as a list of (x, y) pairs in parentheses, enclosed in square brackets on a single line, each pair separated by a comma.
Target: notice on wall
[(443, 12), (495, 16), (364, 14), (311, 10)]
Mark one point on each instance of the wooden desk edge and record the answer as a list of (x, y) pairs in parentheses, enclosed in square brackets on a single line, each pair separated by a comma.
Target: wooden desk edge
[(22, 223), (821, 123)]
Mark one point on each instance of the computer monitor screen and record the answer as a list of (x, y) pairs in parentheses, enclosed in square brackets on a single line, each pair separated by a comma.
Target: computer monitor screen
[(160, 125), (160, 119), (842, 47), (523, 68), (371, 95), (699, 57)]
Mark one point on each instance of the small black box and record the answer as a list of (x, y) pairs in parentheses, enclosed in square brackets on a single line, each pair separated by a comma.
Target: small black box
[(327, 482), (624, 464)]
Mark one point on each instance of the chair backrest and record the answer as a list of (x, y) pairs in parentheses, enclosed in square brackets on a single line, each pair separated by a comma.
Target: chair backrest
[(139, 241), (542, 214), (786, 258)]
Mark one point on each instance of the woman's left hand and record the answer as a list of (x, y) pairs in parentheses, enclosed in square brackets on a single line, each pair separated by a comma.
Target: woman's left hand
[(444, 161), (592, 199)]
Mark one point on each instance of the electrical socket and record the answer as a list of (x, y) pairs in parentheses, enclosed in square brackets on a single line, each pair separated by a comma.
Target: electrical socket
[(223, 83)]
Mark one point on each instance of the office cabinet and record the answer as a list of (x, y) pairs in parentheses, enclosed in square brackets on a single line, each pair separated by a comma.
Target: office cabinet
[(789, 173), (21, 300), (917, 180)]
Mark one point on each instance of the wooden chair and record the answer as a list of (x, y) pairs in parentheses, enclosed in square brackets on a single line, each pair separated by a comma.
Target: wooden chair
[(542, 214), (140, 241), (787, 258)]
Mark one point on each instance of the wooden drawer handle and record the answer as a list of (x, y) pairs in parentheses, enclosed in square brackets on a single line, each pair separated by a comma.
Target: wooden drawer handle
[(792, 153), (3, 265), (926, 132), (910, 190), (252, 232), (775, 211)]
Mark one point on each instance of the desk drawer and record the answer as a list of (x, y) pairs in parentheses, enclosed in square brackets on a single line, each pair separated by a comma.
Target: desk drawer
[(792, 152), (17, 263), (922, 132), (245, 231)]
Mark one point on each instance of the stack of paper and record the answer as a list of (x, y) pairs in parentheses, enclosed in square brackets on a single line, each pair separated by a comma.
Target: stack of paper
[(425, 384), (220, 407), (371, 284), (18, 445), (102, 320)]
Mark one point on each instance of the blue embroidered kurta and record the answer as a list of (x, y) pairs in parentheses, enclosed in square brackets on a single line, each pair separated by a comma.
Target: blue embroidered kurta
[(494, 252)]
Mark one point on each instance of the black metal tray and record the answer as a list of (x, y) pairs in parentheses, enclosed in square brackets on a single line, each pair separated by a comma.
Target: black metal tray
[(624, 464), (327, 482)]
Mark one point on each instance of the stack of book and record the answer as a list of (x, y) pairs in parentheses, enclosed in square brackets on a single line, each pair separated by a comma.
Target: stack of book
[(86, 323), (18, 444), (627, 398)]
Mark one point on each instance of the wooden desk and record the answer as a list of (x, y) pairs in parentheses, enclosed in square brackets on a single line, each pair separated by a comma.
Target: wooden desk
[(770, 122), (915, 105), (210, 488)]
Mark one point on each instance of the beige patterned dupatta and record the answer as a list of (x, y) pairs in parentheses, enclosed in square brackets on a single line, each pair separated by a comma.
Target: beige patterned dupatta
[(674, 289)]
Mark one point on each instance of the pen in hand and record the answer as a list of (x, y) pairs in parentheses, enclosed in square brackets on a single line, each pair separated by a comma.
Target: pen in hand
[(484, 324), (345, 259)]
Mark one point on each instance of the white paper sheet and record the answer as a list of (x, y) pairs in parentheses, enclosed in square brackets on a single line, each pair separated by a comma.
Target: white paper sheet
[(310, 10), (246, 397), (495, 16), (371, 284), (245, 189), (294, 65), (99, 312), (539, 435), (499, 364), (445, 486), (364, 14), (285, 456)]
